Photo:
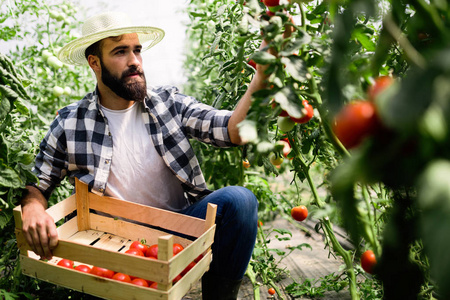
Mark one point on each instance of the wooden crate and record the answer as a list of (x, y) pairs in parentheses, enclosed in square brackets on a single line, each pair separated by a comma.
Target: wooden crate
[(101, 241)]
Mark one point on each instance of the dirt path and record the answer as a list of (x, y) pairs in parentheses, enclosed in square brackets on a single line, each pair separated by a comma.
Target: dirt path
[(302, 264)]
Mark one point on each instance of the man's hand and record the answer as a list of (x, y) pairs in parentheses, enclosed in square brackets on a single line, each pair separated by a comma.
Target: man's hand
[(38, 226)]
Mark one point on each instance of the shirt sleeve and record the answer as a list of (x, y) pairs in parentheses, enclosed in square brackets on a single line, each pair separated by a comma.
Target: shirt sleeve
[(206, 123), (51, 162)]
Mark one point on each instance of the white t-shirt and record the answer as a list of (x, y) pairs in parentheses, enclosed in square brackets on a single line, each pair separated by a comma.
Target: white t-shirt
[(138, 173)]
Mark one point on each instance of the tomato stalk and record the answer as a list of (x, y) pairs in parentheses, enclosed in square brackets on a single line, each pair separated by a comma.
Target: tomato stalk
[(328, 230), (370, 229), (324, 116)]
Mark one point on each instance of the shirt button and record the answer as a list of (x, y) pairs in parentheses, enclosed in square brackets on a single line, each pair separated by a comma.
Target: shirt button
[(107, 161)]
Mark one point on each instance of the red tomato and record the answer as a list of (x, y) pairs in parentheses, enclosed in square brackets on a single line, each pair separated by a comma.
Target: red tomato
[(271, 291), (83, 268), (270, 3), (299, 213), (135, 251), (140, 282), (252, 63), (67, 263), (102, 272), (121, 277), (139, 245), (188, 268), (154, 285), (308, 113), (152, 251), (368, 261), (176, 279), (355, 122), (380, 84), (199, 258), (177, 248)]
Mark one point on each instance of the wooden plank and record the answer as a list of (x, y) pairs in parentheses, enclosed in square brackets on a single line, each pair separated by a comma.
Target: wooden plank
[(154, 270), (111, 242), (183, 286), (82, 196), (211, 212), (17, 213), (85, 237), (68, 229), (131, 231), (165, 252), (179, 262), (87, 283), (149, 215), (63, 208), (22, 244)]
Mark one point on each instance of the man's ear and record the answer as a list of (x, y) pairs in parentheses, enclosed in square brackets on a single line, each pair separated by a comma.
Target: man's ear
[(94, 63)]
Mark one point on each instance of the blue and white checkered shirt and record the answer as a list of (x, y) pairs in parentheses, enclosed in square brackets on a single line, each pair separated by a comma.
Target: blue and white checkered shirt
[(80, 145)]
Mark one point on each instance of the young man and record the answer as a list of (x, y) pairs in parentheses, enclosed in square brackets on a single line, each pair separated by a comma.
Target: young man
[(132, 143)]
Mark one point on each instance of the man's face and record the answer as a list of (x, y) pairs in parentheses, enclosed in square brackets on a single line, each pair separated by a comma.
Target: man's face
[(121, 65)]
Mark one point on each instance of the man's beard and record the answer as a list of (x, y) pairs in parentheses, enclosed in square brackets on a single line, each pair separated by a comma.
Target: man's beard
[(133, 91)]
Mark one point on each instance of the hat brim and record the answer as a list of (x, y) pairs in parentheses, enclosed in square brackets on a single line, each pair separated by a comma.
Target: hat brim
[(74, 52)]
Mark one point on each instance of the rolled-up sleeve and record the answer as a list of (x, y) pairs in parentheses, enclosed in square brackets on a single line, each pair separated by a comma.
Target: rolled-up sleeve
[(205, 123), (51, 161)]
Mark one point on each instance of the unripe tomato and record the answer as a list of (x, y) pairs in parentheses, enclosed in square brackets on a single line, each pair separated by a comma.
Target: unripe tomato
[(355, 122), (380, 84), (308, 113), (67, 90), (46, 54), (275, 159), (58, 91), (368, 261), (299, 213), (285, 124), (54, 62)]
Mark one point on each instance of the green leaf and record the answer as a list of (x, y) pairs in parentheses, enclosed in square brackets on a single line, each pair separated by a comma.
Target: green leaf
[(364, 39), (289, 101), (434, 202), (263, 58), (5, 107), (9, 177), (296, 67)]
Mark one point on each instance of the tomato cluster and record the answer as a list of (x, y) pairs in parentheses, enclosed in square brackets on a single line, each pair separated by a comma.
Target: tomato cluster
[(136, 248), (358, 120)]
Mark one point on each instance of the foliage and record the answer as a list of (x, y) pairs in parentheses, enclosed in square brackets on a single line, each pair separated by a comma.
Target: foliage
[(30, 83)]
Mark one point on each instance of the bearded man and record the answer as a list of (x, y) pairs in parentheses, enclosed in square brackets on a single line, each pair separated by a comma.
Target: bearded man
[(132, 143)]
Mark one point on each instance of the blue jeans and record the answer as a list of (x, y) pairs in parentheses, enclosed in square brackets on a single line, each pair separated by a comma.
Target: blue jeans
[(236, 228)]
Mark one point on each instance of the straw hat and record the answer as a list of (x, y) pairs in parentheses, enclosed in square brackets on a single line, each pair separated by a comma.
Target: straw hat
[(106, 25)]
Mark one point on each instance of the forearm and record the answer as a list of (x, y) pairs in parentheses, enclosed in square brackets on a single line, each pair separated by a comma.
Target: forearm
[(34, 197), (258, 82)]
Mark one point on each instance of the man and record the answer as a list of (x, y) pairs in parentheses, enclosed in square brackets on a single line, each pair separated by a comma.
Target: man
[(132, 143)]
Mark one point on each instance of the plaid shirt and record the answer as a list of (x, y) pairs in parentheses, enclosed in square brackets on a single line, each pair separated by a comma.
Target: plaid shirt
[(80, 145)]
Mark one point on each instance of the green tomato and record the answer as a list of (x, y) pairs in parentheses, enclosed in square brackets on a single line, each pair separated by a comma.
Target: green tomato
[(54, 62), (285, 124), (67, 90), (58, 91), (46, 54), (276, 160)]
